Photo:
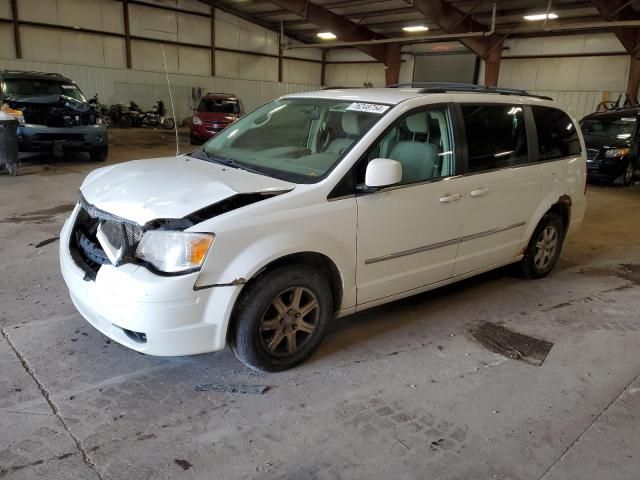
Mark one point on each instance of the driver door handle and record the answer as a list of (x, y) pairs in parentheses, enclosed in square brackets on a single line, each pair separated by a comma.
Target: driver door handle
[(450, 198), (478, 192)]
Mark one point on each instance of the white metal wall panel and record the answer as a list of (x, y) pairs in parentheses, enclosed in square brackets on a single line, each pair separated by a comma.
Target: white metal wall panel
[(307, 53), (160, 24), (294, 71), (38, 11), (5, 9), (355, 74), (568, 74), (238, 34), (7, 47), (50, 45), (564, 45), (93, 14), (191, 5), (238, 65), (348, 55), (121, 85)]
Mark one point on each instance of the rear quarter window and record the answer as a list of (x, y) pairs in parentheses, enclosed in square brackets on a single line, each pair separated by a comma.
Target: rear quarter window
[(557, 134)]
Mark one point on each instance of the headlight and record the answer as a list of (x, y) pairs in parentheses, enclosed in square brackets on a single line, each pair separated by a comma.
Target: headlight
[(173, 252), (616, 152), (197, 120)]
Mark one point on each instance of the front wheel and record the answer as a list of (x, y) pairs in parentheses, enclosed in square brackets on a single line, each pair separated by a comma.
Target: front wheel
[(281, 318), (168, 123), (543, 250), (627, 176)]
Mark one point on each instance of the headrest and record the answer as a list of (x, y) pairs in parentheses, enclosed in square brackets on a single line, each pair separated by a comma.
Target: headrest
[(350, 123), (417, 123)]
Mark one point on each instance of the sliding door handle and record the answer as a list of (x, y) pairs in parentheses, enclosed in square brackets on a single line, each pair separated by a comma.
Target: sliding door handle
[(453, 197), (478, 192)]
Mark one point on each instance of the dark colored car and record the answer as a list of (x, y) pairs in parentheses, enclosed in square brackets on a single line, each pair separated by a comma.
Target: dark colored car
[(56, 116), (611, 138), (214, 113)]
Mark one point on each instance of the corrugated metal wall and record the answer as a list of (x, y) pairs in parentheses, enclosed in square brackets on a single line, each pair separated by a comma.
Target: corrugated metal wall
[(120, 85)]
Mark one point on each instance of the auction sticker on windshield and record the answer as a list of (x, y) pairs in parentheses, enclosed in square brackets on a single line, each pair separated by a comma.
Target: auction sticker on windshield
[(368, 107)]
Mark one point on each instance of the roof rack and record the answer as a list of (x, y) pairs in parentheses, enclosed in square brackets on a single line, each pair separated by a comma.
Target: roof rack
[(443, 87)]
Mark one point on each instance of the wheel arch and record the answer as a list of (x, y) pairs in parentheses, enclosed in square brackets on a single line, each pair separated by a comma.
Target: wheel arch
[(319, 261), (560, 206)]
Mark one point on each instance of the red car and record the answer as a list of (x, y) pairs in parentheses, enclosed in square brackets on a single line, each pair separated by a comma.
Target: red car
[(215, 111)]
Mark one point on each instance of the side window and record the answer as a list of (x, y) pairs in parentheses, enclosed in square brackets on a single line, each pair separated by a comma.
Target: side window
[(421, 141), (557, 135), (496, 136)]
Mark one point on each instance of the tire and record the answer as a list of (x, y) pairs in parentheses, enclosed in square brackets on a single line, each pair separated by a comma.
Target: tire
[(267, 333), (99, 154), (13, 169), (168, 123), (550, 229), (627, 176)]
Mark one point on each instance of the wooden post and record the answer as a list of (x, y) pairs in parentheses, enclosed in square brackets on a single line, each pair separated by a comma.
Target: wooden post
[(633, 80), (392, 64), (213, 41), (127, 32), (16, 28)]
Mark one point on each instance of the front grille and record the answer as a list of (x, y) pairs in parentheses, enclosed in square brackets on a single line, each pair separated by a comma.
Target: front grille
[(592, 154), (121, 234), (85, 247)]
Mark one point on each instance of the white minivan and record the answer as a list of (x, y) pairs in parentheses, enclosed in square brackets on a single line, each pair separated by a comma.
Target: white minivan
[(318, 205)]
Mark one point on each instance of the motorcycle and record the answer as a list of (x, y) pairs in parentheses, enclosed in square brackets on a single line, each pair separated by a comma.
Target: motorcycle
[(101, 109), (120, 115), (155, 117)]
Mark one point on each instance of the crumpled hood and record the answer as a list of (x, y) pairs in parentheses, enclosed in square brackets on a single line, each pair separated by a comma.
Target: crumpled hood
[(172, 187)]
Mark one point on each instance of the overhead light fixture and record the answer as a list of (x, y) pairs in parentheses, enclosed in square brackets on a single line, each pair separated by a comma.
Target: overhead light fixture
[(540, 16), (327, 36), (415, 28)]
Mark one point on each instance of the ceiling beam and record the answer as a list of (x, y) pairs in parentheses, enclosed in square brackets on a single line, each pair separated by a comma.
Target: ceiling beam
[(344, 29), (617, 10)]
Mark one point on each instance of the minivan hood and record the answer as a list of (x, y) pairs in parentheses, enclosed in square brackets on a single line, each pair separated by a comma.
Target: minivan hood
[(171, 187)]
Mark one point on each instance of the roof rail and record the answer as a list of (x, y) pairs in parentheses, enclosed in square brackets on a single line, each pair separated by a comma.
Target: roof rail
[(443, 87)]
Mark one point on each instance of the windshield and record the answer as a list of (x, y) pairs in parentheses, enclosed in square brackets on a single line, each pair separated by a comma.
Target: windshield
[(295, 139), (218, 106), (614, 127), (27, 87)]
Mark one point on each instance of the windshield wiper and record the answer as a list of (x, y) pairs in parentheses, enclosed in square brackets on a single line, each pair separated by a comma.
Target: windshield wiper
[(226, 161)]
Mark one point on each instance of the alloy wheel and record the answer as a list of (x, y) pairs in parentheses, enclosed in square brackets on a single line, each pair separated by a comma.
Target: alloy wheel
[(289, 321), (546, 247), (628, 174)]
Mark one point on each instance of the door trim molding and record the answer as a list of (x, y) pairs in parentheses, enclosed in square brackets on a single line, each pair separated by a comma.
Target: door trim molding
[(446, 243)]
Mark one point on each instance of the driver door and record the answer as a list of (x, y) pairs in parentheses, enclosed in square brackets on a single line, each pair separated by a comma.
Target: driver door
[(408, 234)]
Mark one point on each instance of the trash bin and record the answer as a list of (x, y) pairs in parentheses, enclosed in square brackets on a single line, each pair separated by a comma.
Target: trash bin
[(9, 143)]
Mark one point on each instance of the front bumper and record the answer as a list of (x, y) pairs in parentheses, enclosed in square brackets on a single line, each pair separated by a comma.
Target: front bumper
[(38, 138), (607, 168), (205, 132), (149, 313)]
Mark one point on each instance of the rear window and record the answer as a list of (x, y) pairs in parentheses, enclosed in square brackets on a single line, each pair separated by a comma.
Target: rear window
[(496, 136), (557, 135), (218, 106)]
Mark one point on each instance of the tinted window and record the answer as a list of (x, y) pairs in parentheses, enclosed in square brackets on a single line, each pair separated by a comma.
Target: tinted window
[(557, 135), (221, 106), (496, 136), (421, 142)]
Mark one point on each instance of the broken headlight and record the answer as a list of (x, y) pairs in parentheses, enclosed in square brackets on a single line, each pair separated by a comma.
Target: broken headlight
[(173, 251)]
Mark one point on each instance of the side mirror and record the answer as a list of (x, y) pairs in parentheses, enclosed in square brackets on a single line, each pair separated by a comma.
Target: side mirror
[(382, 172)]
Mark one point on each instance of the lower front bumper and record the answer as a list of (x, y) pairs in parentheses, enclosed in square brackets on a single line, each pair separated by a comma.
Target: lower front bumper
[(148, 313), (607, 168), (38, 138)]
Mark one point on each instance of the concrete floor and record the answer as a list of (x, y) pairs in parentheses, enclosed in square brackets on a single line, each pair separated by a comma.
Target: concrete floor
[(400, 392)]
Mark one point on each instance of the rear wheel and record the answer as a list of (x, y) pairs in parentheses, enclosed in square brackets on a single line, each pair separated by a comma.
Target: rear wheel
[(168, 123), (99, 154), (281, 318), (544, 248), (13, 169)]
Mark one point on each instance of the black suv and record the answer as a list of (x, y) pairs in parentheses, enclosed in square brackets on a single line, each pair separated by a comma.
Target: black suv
[(55, 114), (611, 138)]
